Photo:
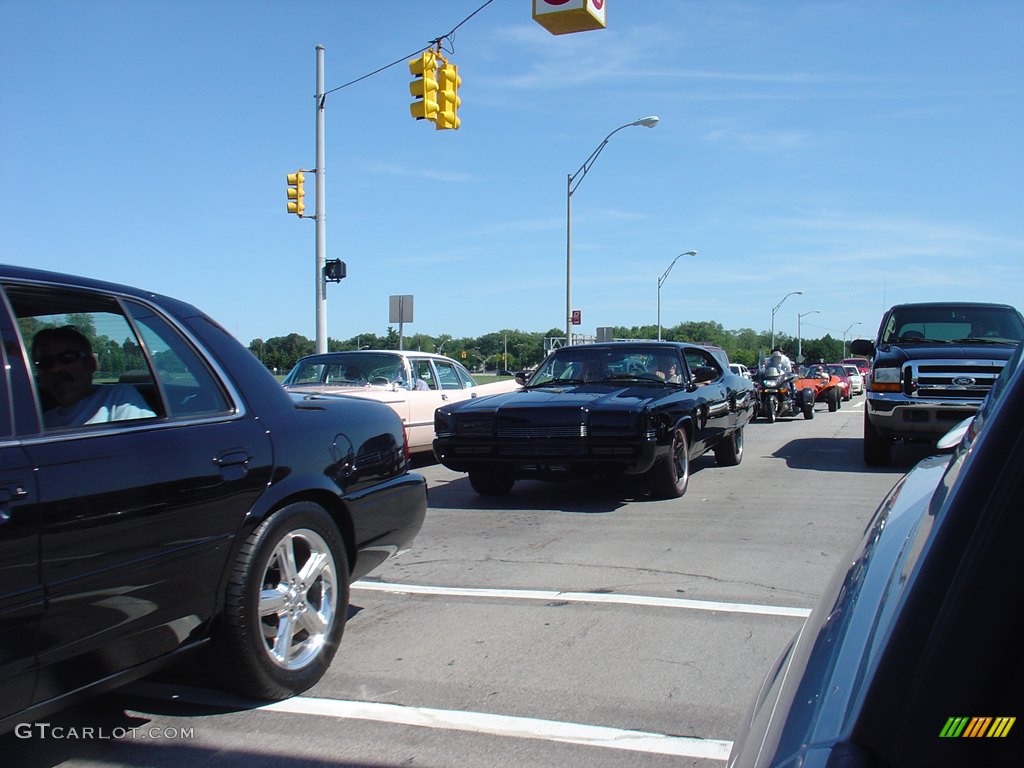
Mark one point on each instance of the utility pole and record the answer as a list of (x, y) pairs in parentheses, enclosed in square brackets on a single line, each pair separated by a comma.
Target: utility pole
[(320, 217)]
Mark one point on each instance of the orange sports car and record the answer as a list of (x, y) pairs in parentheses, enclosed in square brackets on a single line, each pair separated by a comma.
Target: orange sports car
[(826, 387)]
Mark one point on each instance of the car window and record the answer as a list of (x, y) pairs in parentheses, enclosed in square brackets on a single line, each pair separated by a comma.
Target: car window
[(424, 375), (467, 380), (189, 387), (88, 363), (696, 358), (309, 373), (98, 360), (447, 375)]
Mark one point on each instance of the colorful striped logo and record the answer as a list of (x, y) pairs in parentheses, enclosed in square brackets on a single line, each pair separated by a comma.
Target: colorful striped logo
[(977, 727)]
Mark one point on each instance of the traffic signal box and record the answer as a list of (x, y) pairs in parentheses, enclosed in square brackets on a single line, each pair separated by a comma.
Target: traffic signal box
[(448, 101), (436, 88), (424, 86), (296, 191)]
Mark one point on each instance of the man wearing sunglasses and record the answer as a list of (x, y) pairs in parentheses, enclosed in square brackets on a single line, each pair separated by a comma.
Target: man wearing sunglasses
[(65, 365)]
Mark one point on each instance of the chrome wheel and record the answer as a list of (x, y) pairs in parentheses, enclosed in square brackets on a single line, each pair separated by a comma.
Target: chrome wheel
[(298, 601)]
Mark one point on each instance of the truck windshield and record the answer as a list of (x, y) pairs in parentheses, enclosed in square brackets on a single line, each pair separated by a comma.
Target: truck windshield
[(994, 325)]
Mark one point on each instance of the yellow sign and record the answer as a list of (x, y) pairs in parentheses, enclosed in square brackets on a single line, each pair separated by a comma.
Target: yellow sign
[(560, 17)]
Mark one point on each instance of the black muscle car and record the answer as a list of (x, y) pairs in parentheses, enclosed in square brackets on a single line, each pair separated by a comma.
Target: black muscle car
[(184, 501), (615, 408)]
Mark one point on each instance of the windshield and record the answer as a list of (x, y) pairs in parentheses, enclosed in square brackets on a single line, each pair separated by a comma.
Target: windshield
[(349, 369), (582, 365), (953, 324)]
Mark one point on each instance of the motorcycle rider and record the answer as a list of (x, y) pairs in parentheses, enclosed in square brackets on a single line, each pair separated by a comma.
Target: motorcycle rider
[(779, 359)]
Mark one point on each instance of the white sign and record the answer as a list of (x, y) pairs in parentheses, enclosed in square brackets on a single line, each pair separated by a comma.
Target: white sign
[(560, 17)]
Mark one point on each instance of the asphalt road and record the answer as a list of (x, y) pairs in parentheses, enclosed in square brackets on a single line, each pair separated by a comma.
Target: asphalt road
[(568, 624)]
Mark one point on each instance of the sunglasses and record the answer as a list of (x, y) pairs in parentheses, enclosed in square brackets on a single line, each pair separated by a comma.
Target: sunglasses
[(46, 362)]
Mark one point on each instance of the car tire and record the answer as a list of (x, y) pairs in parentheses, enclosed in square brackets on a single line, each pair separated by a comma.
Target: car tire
[(285, 606), (670, 474), (832, 398), (490, 481), (877, 447), (729, 452)]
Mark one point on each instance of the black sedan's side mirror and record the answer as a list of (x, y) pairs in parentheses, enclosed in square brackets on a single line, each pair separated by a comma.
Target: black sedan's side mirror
[(704, 374), (521, 377)]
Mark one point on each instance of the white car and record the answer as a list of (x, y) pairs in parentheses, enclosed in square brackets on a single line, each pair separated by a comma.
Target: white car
[(856, 379), (740, 369), (414, 384)]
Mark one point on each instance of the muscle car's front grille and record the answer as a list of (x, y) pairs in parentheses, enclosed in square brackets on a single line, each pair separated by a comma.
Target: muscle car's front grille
[(471, 427), (542, 432), (546, 449)]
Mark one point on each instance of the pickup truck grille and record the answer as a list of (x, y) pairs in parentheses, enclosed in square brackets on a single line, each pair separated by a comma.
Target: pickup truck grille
[(950, 379)]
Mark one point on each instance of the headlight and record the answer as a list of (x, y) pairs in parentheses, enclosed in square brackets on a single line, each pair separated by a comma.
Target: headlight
[(771, 382), (886, 375)]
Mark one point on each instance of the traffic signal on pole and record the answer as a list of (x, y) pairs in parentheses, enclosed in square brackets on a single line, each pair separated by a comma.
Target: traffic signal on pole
[(448, 101), (424, 86), (296, 191), (335, 270)]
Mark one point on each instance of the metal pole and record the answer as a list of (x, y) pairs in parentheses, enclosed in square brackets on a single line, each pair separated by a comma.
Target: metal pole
[(659, 309), (321, 218), (568, 260), (799, 340)]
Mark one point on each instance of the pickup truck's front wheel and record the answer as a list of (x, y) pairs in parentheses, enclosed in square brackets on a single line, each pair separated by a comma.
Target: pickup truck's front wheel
[(877, 447)]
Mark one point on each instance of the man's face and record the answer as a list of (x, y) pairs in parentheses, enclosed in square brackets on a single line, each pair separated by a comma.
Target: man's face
[(64, 370)]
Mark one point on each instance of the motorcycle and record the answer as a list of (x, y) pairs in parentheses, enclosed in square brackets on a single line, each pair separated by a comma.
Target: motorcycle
[(777, 397)]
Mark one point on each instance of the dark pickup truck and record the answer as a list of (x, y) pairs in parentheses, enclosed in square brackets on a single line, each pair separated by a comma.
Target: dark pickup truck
[(932, 365)]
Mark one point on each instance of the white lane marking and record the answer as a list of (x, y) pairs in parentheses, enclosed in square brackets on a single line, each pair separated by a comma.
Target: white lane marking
[(448, 719), (585, 597)]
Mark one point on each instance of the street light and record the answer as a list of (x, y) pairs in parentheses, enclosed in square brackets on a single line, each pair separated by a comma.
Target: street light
[(856, 322), (662, 279), (799, 347), (573, 182), (776, 309)]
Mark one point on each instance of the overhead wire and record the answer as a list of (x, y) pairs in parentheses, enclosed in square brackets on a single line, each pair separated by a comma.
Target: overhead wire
[(437, 41)]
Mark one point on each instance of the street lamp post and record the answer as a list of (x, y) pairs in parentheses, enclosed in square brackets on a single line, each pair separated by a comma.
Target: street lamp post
[(574, 180), (799, 342), (662, 279), (776, 309), (856, 322)]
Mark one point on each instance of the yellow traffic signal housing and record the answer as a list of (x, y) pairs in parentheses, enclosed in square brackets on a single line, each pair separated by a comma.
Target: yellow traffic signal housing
[(424, 86), (296, 191), (448, 100)]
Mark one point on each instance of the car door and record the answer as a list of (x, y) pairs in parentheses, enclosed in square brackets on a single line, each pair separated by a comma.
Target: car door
[(137, 516), (715, 416), (425, 398), (21, 592)]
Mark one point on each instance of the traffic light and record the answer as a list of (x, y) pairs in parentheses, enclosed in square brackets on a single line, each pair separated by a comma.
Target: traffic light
[(448, 101), (424, 86), (296, 191), (335, 270)]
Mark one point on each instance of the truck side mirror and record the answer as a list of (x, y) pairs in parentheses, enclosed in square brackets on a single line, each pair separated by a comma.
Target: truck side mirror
[(862, 347)]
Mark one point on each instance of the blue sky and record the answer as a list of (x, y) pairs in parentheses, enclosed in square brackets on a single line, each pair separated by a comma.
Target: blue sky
[(863, 152)]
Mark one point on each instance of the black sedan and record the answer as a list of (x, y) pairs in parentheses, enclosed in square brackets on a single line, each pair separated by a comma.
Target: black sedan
[(912, 656), (160, 493), (616, 408)]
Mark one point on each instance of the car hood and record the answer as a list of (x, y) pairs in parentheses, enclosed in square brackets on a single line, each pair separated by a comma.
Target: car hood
[(905, 352), (808, 701), (583, 397)]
